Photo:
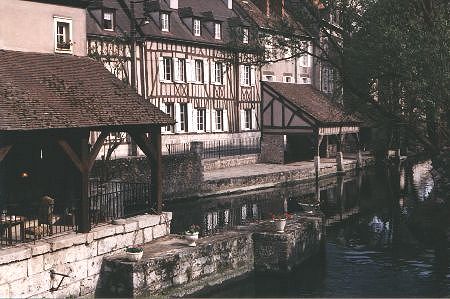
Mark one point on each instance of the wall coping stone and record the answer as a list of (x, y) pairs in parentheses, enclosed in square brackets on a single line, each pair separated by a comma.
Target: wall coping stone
[(14, 254)]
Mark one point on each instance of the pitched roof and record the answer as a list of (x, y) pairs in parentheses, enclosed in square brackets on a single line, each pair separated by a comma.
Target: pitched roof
[(46, 91), (73, 3), (179, 27), (314, 103)]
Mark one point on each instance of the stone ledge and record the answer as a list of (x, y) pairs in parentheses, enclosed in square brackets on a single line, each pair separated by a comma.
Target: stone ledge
[(14, 254)]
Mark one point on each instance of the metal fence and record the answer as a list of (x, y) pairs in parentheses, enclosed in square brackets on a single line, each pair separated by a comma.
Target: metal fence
[(115, 200), (177, 148), (231, 147)]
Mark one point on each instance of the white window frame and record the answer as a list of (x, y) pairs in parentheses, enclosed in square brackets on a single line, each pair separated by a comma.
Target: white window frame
[(273, 77), (288, 79), (248, 119), (201, 120), (245, 35), (217, 30), (167, 73), (197, 27), (111, 13), (180, 73), (219, 120), (67, 21), (165, 23), (247, 75), (170, 109), (218, 73), (184, 116), (199, 71)]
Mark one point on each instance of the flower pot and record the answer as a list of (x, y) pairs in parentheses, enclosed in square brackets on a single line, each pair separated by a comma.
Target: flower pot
[(134, 256), (191, 238), (279, 225)]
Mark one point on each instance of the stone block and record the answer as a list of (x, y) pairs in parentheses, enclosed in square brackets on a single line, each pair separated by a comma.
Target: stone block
[(15, 271), (148, 221), (107, 245), (104, 231), (180, 279), (35, 265), (160, 230), (76, 271), (148, 234), (4, 291), (88, 285), (72, 290), (9, 255), (94, 265), (39, 248), (120, 229), (166, 217), (130, 226), (139, 237), (30, 286), (89, 238), (67, 241), (126, 240)]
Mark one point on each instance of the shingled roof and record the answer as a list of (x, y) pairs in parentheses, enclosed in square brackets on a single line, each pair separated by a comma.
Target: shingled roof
[(314, 103), (49, 91)]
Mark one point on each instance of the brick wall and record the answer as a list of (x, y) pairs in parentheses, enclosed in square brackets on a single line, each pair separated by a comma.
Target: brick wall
[(272, 149)]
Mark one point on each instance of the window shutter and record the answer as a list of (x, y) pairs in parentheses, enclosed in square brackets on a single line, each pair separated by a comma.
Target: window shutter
[(205, 71), (253, 75), (224, 70), (176, 74), (242, 118), (213, 72), (213, 120), (241, 74), (177, 117), (161, 68), (189, 77), (208, 120), (254, 122), (225, 120), (192, 114)]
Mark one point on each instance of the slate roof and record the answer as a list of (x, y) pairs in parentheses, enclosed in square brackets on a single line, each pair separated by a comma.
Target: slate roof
[(179, 29), (314, 103), (48, 91)]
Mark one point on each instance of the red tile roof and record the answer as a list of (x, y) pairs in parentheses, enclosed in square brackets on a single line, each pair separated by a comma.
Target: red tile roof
[(314, 103), (46, 91)]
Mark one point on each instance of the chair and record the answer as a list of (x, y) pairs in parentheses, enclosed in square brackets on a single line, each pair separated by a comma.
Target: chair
[(46, 218)]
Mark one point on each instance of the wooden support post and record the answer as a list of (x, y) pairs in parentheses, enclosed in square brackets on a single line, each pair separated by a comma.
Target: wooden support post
[(319, 139), (84, 223), (156, 168), (4, 150), (339, 155)]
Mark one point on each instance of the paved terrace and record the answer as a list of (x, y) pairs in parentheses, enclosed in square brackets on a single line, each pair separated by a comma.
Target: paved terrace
[(263, 175)]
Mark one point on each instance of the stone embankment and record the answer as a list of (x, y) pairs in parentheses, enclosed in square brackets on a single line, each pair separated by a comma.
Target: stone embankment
[(170, 267)]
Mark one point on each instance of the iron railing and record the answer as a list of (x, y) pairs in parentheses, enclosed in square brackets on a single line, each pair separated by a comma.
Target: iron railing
[(231, 147), (115, 200), (177, 148)]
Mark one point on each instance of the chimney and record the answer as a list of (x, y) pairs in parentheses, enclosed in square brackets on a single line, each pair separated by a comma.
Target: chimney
[(173, 4), (229, 3)]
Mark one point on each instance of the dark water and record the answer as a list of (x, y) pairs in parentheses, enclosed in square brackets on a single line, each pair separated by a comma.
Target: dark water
[(386, 237)]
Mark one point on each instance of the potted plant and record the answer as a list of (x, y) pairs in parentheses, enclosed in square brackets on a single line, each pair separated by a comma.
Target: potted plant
[(191, 234), (279, 221), (134, 254)]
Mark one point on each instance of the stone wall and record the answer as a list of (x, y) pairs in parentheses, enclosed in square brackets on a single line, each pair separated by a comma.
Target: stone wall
[(226, 162), (26, 269), (182, 173), (272, 149), (172, 268)]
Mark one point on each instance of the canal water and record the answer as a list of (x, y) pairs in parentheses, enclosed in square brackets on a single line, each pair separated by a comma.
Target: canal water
[(386, 236)]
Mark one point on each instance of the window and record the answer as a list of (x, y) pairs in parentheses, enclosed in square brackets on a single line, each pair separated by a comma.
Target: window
[(167, 68), (199, 70), (63, 35), (218, 72), (327, 80), (164, 22), (287, 79), (219, 120), (171, 111), (183, 118), (197, 27), (245, 35), (248, 119), (217, 31), (269, 78), (108, 20), (246, 80), (180, 70), (201, 119)]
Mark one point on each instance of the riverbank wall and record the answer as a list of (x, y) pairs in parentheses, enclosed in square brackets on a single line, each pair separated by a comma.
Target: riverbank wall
[(170, 267)]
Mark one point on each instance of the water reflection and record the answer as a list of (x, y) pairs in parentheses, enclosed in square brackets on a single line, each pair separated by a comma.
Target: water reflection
[(385, 236)]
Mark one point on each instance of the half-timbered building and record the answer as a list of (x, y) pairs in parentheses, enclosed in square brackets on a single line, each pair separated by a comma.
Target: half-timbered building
[(187, 57)]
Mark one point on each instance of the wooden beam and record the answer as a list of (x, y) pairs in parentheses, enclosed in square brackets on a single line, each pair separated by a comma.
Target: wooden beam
[(96, 149), (4, 151), (84, 225), (143, 142), (72, 155), (156, 169)]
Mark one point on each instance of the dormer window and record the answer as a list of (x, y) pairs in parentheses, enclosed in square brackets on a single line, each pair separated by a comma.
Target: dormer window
[(245, 35), (108, 20), (63, 35), (164, 22), (218, 31), (197, 27)]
